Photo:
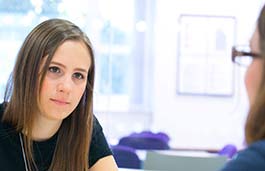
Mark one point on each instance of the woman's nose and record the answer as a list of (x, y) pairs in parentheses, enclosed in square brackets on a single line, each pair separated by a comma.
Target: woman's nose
[(65, 85)]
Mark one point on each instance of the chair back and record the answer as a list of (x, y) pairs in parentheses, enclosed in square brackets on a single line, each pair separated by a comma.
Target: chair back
[(126, 157), (146, 140), (228, 150)]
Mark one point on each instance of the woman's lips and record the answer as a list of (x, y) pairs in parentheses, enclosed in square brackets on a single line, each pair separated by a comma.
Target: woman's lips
[(60, 102)]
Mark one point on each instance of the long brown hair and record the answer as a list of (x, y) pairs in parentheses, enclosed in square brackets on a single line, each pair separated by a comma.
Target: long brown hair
[(22, 94), (255, 124)]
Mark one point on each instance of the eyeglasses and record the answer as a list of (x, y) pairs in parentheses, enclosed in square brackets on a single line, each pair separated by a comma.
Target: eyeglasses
[(243, 57)]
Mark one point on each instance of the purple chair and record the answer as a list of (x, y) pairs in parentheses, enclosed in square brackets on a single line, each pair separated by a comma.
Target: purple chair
[(126, 157), (228, 150), (146, 140)]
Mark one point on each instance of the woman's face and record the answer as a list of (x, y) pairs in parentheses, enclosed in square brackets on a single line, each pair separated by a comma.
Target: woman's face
[(254, 72), (65, 81)]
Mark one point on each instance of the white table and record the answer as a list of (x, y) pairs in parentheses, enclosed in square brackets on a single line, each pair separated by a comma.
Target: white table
[(179, 159)]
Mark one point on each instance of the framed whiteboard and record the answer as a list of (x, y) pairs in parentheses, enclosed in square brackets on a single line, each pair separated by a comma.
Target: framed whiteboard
[(204, 55)]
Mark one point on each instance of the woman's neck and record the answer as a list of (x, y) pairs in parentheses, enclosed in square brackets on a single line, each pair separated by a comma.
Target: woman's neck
[(44, 128)]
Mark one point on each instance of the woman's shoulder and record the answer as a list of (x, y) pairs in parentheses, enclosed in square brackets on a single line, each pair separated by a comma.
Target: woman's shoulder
[(4, 126), (258, 146), (252, 158), (2, 108), (256, 150), (96, 125), (99, 147)]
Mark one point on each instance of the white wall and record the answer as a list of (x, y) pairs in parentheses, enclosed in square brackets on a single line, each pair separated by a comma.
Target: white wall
[(201, 121)]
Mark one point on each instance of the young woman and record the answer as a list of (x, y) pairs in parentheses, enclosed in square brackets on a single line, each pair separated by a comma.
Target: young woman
[(253, 157), (47, 120)]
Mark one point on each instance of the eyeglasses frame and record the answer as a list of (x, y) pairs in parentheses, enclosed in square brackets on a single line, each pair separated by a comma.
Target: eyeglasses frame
[(237, 53)]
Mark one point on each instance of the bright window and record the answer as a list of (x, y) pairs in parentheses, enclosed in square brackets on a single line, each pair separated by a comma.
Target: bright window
[(117, 31)]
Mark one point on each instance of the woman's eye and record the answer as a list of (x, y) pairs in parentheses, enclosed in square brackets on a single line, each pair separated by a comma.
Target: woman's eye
[(54, 69), (78, 76)]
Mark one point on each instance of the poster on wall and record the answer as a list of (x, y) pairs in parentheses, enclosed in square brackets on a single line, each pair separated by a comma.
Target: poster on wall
[(204, 55)]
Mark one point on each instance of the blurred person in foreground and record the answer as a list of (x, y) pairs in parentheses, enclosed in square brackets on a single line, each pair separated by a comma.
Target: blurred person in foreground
[(252, 158)]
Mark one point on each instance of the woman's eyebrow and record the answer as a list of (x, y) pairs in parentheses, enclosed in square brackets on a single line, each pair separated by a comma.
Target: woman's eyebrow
[(81, 70), (62, 65), (57, 63)]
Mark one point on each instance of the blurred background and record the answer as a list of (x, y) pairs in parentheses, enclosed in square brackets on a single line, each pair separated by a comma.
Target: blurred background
[(161, 65)]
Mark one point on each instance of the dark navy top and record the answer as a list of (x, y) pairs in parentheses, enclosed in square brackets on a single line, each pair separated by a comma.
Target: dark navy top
[(250, 159), (11, 158)]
